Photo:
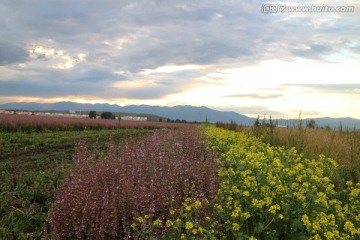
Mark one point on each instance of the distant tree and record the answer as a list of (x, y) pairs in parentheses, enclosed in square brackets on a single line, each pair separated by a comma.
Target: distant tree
[(263, 123), (206, 119), (160, 120), (107, 115), (340, 129), (257, 121), (168, 120), (232, 126), (311, 124), (92, 114)]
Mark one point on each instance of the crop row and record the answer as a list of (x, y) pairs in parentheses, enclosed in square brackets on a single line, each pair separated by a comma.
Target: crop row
[(106, 193), (270, 193), (35, 123), (165, 187), (275, 193)]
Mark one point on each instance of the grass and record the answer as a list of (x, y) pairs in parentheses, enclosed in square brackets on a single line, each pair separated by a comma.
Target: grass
[(32, 166), (343, 146)]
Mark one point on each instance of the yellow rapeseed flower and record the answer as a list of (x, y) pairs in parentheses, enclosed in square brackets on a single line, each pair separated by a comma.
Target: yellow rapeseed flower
[(258, 203), (274, 208), (140, 219), (169, 223), (189, 225), (197, 204), (355, 192), (236, 211), (246, 215), (349, 227), (235, 227), (306, 221), (235, 189), (157, 222)]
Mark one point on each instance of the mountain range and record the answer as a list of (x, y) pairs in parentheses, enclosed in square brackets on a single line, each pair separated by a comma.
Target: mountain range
[(188, 113)]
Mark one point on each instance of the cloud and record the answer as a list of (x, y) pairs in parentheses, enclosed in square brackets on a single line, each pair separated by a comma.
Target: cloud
[(260, 110), (119, 49), (146, 35), (48, 89), (254, 96), (10, 54), (96, 74), (331, 88), (313, 50)]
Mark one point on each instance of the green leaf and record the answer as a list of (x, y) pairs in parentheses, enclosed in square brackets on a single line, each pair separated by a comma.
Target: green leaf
[(259, 228), (296, 224), (298, 236)]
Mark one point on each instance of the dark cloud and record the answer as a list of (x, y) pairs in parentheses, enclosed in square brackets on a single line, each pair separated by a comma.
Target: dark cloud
[(130, 36), (97, 75), (170, 32), (49, 89), (55, 88), (313, 50), (10, 54)]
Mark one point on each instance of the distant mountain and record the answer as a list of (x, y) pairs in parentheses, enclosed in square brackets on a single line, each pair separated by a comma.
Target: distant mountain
[(188, 113), (333, 123)]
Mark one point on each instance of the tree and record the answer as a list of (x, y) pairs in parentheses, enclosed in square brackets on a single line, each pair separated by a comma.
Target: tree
[(107, 115), (257, 121), (92, 114), (311, 124)]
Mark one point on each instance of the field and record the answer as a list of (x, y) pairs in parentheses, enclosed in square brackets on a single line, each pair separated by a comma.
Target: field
[(34, 123), (179, 181)]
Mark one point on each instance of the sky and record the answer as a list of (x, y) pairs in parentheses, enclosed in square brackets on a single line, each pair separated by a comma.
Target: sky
[(223, 54)]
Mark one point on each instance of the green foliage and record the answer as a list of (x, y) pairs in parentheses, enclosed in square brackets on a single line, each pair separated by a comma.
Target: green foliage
[(265, 192), (342, 145), (265, 130), (271, 193), (107, 115), (92, 114)]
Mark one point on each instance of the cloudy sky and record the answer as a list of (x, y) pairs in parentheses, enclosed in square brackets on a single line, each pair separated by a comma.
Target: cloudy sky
[(228, 55)]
